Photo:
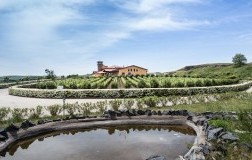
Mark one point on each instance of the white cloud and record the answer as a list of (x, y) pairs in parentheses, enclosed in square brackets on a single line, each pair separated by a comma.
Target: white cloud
[(144, 6), (33, 26), (165, 23), (158, 15)]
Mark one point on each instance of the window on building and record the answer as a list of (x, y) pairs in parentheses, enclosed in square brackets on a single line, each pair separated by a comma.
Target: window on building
[(137, 70), (134, 70)]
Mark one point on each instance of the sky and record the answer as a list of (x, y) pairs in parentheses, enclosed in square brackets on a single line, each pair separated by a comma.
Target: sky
[(70, 36)]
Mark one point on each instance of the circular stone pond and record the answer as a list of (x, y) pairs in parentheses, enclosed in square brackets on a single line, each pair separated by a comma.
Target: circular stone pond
[(113, 143)]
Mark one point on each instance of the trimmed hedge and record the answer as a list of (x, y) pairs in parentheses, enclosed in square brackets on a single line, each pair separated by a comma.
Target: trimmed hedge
[(124, 93), (6, 85)]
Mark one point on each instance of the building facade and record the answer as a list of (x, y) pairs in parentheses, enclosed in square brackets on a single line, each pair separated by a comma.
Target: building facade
[(103, 70)]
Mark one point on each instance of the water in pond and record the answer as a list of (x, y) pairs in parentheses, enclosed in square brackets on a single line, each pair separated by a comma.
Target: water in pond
[(116, 143)]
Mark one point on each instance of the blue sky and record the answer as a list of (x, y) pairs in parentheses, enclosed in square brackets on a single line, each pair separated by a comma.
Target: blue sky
[(69, 36)]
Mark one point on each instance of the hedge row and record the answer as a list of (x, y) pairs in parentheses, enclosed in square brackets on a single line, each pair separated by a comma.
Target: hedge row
[(5, 85), (124, 93)]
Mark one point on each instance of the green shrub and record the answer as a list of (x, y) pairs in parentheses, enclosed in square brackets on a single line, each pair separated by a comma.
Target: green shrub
[(128, 103), (166, 84), (19, 114), (163, 101), (35, 113), (4, 112), (115, 104), (94, 86), (127, 84), (114, 85), (101, 86), (141, 84), (190, 84), (174, 100), (179, 84), (198, 83), (41, 85), (102, 106), (71, 108), (225, 81), (201, 98), (245, 119), (150, 101), (214, 82), (207, 82), (140, 104), (85, 108), (54, 110), (73, 85), (154, 83), (85, 86), (50, 85)]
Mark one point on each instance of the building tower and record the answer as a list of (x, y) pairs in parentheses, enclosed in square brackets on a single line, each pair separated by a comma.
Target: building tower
[(99, 65)]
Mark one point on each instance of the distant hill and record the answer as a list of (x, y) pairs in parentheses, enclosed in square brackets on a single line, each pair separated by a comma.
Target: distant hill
[(14, 78), (216, 70), (186, 68)]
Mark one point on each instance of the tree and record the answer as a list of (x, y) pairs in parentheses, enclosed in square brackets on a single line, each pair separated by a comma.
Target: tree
[(6, 79), (239, 60), (50, 74)]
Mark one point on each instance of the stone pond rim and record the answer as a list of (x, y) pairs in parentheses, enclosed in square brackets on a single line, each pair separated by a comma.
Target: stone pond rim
[(74, 124), (198, 122)]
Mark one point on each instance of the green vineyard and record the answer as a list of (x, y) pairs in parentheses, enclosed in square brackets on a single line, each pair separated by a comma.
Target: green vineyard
[(131, 82)]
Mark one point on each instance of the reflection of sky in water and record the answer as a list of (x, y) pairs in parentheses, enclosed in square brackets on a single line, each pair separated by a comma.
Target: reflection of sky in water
[(99, 145)]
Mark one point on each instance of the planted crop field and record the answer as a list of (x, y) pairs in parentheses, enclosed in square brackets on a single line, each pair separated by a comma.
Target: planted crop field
[(131, 82)]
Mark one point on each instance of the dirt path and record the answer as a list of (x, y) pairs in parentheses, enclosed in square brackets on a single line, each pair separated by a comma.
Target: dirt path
[(7, 100)]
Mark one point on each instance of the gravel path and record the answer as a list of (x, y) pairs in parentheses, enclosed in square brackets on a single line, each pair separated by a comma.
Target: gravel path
[(7, 100), (249, 90)]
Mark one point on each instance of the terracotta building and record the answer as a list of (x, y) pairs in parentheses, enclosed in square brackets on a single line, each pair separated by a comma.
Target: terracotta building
[(103, 70)]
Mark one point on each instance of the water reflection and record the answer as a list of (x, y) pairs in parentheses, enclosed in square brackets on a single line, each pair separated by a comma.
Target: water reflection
[(103, 142), (182, 129)]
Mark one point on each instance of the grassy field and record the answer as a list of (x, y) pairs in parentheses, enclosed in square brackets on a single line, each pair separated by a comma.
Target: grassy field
[(242, 127), (218, 106), (215, 71)]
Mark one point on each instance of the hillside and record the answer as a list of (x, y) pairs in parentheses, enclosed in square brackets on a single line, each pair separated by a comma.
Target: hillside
[(15, 78), (217, 70)]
